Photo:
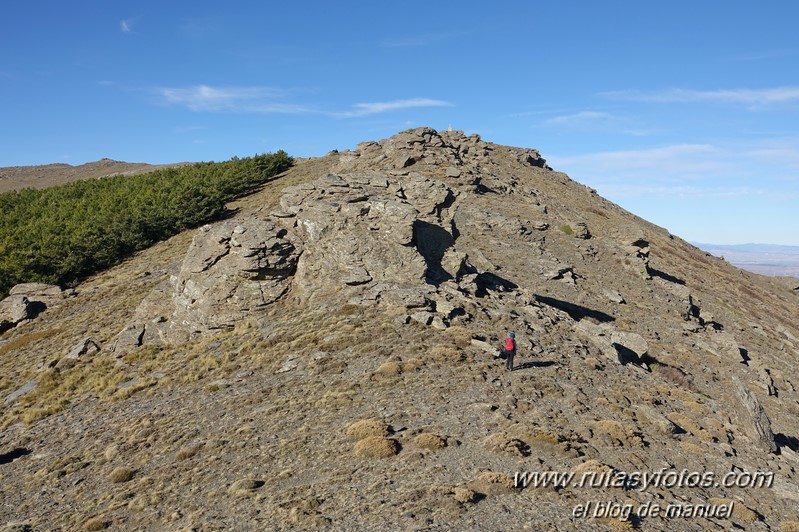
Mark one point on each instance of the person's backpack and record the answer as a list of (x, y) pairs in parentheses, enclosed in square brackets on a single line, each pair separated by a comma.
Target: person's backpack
[(509, 344)]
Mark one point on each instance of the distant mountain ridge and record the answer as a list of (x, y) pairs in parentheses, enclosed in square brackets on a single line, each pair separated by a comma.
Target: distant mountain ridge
[(752, 248), (766, 259), (49, 175)]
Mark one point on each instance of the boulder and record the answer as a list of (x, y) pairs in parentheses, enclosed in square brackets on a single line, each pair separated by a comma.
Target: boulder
[(580, 230), (48, 294), (485, 346), (613, 296), (15, 309), (26, 388), (84, 348), (128, 339)]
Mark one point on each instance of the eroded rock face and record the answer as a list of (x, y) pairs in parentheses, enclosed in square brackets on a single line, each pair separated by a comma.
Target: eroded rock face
[(357, 231), (231, 269)]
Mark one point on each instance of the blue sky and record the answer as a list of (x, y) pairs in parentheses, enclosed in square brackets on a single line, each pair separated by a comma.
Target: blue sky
[(686, 113)]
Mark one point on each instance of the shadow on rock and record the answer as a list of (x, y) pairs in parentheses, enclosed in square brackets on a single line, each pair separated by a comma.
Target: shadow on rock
[(9, 457), (577, 312)]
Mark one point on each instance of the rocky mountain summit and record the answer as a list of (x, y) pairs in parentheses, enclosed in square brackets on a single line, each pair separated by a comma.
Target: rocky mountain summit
[(327, 357)]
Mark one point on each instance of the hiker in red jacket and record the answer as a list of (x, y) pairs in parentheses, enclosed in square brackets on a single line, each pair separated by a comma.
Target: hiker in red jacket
[(509, 350)]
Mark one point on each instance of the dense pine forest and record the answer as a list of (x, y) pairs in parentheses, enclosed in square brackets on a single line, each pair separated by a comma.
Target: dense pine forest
[(61, 234)]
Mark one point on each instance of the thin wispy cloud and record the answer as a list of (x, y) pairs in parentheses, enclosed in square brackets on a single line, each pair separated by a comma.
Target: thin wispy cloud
[(752, 98), (579, 119), (371, 108), (205, 98), (686, 170)]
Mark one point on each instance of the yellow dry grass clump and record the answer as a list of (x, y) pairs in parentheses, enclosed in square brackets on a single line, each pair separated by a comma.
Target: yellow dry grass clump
[(427, 440), (461, 336), (621, 433), (690, 425), (96, 523), (446, 353), (592, 466), (389, 368), (377, 447), (366, 428), (501, 442), (121, 474)]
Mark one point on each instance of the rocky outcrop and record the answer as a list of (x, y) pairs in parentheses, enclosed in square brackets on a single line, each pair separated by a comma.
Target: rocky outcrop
[(382, 230), (231, 270), (634, 249), (48, 294), (15, 310), (754, 418), (359, 233), (26, 301)]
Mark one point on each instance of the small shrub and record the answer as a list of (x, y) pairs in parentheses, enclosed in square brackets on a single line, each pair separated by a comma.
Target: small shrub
[(427, 440), (389, 368), (377, 447), (461, 336), (366, 428), (188, 451), (96, 523), (121, 474), (567, 229)]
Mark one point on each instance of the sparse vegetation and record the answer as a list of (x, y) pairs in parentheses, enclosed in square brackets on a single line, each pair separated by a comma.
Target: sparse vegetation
[(61, 234), (427, 440), (377, 447), (121, 474), (366, 428), (96, 523)]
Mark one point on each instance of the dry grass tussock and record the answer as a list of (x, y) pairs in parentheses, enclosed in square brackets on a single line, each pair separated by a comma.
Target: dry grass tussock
[(461, 336), (121, 474), (502, 443), (427, 440), (747, 515), (366, 428), (619, 433), (377, 447), (96, 523)]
